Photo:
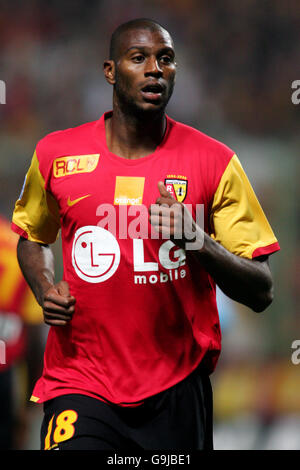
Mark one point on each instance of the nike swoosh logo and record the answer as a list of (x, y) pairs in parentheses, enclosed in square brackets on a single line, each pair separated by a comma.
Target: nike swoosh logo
[(71, 203)]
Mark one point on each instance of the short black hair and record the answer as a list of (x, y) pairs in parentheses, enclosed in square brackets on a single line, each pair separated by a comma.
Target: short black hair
[(138, 23)]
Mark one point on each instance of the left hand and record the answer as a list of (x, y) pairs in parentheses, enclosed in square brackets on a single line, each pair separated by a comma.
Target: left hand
[(171, 218)]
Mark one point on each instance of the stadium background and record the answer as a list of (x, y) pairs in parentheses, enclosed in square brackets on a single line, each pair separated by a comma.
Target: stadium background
[(236, 63)]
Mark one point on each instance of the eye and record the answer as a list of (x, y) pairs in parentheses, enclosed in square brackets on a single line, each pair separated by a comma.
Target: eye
[(138, 58), (166, 59)]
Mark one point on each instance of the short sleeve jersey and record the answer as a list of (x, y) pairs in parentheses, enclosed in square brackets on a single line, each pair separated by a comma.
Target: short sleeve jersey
[(146, 313)]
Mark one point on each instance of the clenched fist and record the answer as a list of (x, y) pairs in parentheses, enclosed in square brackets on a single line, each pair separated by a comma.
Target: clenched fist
[(58, 305), (173, 220)]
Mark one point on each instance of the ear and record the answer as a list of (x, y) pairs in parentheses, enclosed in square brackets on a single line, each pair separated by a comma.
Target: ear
[(109, 69)]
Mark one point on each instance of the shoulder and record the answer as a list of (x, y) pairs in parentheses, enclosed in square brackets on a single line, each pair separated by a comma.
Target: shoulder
[(207, 156), (193, 139), (64, 141)]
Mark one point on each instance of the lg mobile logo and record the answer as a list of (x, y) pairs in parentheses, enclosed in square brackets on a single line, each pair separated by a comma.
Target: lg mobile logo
[(96, 257)]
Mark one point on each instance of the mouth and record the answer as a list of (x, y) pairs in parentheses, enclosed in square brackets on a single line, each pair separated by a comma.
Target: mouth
[(152, 91)]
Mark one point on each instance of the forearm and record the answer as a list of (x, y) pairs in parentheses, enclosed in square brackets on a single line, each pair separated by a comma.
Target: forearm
[(243, 280), (37, 264)]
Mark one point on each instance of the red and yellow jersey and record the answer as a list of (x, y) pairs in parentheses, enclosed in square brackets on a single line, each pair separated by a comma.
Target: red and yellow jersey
[(146, 313), (18, 306)]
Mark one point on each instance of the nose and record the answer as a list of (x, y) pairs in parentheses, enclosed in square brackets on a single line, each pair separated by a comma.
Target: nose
[(152, 67)]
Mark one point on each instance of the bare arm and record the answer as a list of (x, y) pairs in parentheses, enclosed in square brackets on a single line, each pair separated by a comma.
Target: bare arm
[(37, 264), (244, 280)]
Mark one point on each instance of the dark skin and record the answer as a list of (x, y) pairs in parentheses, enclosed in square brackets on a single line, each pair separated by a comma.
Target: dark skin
[(244, 280), (37, 264), (138, 122), (146, 57)]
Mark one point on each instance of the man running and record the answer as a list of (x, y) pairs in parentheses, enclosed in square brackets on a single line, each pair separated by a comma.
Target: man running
[(134, 328)]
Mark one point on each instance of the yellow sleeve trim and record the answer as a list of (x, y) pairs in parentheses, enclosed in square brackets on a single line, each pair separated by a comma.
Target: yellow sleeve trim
[(33, 398), (37, 212), (237, 218)]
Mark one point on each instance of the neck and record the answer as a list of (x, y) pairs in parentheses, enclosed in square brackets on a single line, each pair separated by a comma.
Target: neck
[(131, 136)]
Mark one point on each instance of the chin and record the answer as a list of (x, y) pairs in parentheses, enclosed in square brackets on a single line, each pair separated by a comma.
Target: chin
[(146, 109), (142, 109), (151, 108)]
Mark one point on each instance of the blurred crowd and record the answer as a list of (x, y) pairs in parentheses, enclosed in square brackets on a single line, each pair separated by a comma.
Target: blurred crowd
[(236, 63), (239, 57)]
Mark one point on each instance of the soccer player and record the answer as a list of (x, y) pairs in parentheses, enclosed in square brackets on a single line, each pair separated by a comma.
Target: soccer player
[(134, 328)]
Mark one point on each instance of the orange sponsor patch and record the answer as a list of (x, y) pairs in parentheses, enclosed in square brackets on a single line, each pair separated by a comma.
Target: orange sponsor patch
[(129, 190), (73, 165)]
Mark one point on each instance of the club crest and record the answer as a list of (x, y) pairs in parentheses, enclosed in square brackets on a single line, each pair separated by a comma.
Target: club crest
[(177, 186)]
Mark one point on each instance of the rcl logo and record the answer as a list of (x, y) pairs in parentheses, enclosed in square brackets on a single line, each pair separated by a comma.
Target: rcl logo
[(96, 257)]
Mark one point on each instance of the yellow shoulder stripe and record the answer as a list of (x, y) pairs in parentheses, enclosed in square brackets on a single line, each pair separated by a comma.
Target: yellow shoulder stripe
[(237, 218), (37, 212)]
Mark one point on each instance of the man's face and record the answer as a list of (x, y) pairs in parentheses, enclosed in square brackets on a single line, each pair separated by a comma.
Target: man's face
[(145, 70)]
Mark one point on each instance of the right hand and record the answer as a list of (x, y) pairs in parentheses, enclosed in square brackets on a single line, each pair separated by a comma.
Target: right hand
[(58, 305)]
